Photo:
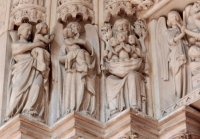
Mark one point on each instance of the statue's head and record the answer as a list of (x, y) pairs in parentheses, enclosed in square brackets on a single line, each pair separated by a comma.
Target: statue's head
[(75, 26), (122, 26), (113, 42), (42, 28), (106, 31), (24, 30), (132, 39), (173, 18), (122, 37), (196, 7), (67, 33)]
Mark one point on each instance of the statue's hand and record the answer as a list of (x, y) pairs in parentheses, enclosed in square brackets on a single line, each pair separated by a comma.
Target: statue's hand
[(40, 44)]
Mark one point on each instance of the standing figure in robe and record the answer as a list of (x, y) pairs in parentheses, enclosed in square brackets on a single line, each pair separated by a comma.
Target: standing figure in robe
[(27, 88), (78, 58), (178, 58)]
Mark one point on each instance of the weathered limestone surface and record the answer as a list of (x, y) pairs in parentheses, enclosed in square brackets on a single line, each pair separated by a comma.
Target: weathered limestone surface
[(183, 121), (100, 69)]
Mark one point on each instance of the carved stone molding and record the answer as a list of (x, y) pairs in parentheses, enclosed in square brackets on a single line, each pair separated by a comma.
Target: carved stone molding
[(186, 136), (187, 100), (130, 124), (73, 8), (113, 8), (76, 137), (31, 10)]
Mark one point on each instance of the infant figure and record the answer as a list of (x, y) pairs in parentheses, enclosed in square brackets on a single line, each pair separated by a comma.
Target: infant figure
[(123, 49), (113, 55), (74, 48), (41, 55), (132, 40)]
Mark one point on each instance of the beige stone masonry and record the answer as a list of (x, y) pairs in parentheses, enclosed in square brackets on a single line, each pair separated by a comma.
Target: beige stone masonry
[(184, 120)]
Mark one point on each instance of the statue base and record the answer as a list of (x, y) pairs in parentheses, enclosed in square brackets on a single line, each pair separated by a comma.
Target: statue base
[(130, 123)]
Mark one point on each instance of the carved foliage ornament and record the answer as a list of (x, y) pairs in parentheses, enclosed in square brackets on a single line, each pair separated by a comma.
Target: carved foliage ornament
[(113, 7), (186, 136), (32, 10), (68, 8), (131, 135)]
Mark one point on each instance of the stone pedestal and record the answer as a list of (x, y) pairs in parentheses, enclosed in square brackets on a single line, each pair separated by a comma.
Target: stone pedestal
[(130, 123)]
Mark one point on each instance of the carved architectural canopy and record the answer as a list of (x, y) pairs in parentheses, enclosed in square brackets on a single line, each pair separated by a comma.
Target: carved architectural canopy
[(129, 7), (69, 8), (27, 11)]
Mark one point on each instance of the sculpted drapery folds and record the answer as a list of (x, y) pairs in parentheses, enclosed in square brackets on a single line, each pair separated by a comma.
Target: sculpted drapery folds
[(124, 60), (178, 57), (28, 88), (78, 58), (172, 45), (74, 61)]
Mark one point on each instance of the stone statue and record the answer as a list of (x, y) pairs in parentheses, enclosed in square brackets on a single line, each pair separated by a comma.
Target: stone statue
[(192, 22), (173, 50), (125, 84), (78, 68), (28, 89), (41, 55)]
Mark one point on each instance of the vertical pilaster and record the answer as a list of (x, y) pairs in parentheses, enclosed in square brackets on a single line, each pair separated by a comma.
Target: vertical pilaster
[(5, 55)]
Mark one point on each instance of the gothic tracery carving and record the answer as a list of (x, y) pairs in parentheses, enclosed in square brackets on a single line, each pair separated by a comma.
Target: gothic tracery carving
[(31, 10), (114, 7), (73, 8)]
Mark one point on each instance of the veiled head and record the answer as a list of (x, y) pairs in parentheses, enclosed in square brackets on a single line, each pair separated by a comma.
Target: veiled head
[(196, 7), (24, 31)]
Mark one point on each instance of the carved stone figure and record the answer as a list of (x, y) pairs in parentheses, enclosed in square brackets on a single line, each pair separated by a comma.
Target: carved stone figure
[(79, 59), (194, 53), (125, 85), (192, 21), (41, 55), (28, 89), (77, 73), (173, 49)]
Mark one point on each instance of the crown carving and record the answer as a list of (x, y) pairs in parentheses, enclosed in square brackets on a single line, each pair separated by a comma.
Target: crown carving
[(72, 8), (27, 11)]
